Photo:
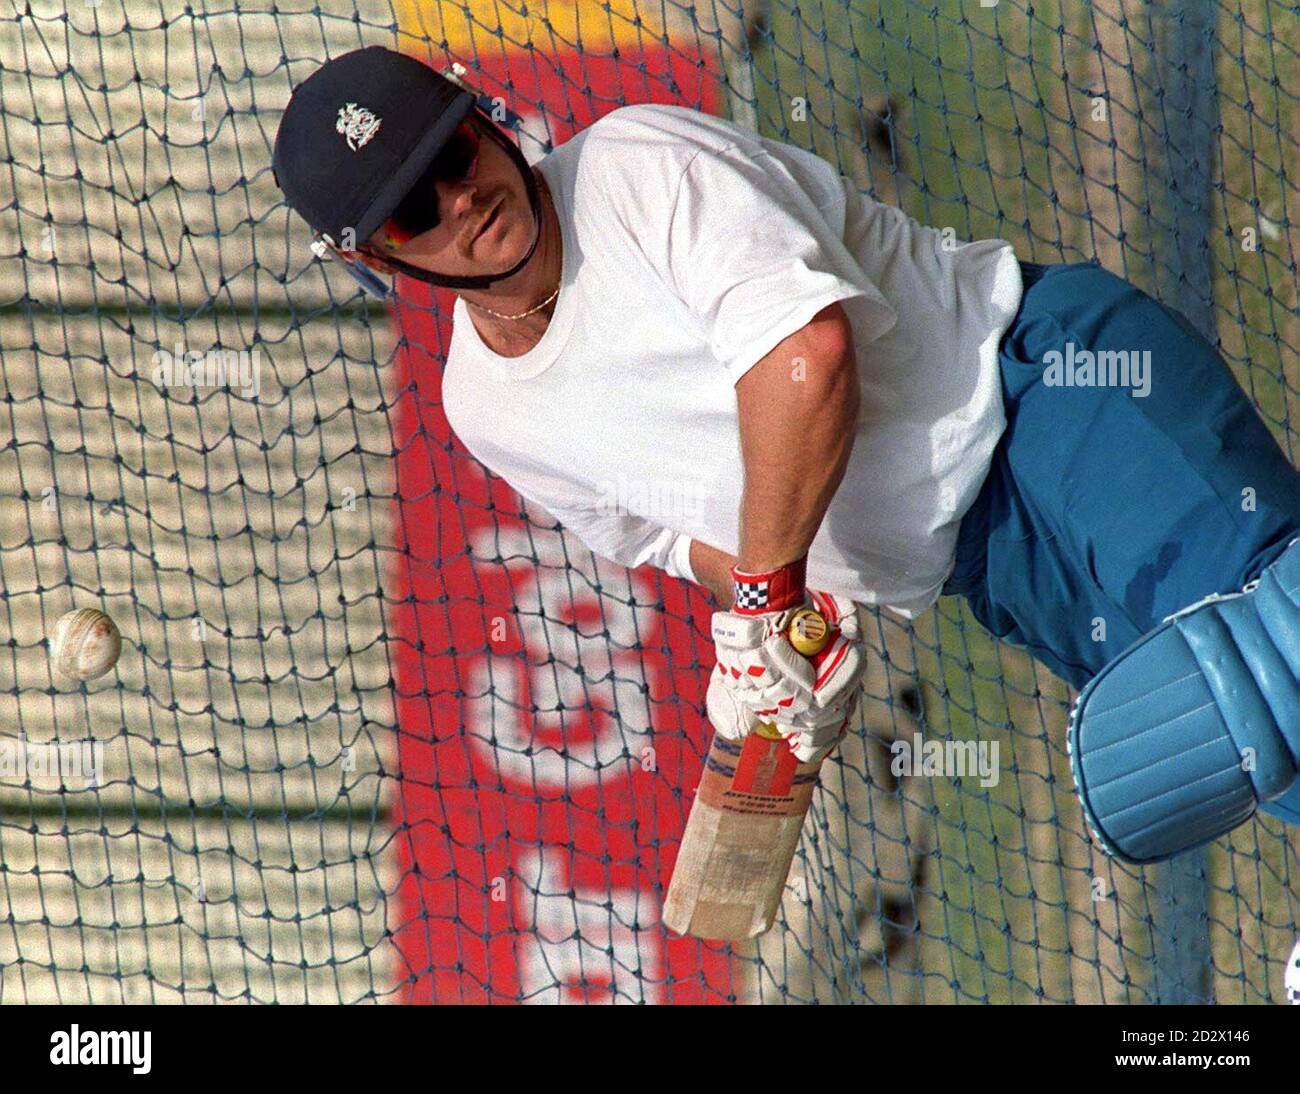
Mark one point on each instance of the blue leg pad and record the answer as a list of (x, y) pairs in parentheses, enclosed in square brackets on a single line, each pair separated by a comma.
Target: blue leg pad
[(1176, 741)]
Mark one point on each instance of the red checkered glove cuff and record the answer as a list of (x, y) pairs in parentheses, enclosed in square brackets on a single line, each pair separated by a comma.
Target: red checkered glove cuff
[(775, 591)]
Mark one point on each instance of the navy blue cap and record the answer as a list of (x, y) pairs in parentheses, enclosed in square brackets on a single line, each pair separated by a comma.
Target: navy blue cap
[(357, 135)]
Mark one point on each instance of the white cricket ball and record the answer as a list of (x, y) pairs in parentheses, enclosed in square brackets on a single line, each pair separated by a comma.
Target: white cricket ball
[(86, 644)]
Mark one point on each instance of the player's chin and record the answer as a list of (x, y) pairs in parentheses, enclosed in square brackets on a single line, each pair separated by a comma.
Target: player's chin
[(510, 236)]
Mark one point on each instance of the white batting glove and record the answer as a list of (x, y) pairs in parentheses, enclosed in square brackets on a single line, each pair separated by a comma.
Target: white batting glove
[(814, 734), (840, 668), (761, 677), (756, 665)]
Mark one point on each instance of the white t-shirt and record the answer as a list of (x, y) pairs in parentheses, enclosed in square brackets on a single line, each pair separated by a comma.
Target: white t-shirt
[(691, 248)]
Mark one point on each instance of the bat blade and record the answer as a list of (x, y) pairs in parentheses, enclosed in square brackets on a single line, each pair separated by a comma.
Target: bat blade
[(740, 840)]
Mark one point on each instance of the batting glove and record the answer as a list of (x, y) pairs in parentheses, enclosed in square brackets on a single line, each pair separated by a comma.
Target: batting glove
[(760, 676), (756, 665), (814, 734), (837, 685)]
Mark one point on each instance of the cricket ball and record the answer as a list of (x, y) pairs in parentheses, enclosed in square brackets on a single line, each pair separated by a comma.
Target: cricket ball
[(85, 644)]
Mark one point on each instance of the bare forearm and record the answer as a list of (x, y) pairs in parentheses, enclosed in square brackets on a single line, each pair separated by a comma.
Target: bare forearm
[(798, 412)]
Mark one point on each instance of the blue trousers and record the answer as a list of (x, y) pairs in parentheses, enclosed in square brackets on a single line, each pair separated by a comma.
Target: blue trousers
[(1106, 510)]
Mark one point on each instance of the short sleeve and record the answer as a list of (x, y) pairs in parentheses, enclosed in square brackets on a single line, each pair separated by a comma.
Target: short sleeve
[(752, 255)]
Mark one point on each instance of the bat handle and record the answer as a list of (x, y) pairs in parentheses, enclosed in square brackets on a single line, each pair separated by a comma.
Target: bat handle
[(809, 632)]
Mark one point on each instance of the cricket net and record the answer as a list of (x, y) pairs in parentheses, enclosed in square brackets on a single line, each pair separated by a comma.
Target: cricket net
[(379, 731)]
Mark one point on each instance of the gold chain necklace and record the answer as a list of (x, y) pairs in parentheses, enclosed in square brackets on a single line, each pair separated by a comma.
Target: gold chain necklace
[(522, 314)]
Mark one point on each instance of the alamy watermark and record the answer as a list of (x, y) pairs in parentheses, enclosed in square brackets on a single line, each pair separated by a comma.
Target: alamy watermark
[(1102, 368), (115, 1048), (655, 499), (215, 367), (946, 758), (68, 762)]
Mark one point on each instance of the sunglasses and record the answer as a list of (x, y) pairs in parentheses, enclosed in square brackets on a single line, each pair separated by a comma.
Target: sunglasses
[(417, 212)]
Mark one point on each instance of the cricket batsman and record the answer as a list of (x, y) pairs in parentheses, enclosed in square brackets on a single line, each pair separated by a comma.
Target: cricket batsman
[(861, 411)]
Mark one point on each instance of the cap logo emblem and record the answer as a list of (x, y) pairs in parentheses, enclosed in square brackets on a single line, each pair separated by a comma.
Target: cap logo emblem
[(358, 125)]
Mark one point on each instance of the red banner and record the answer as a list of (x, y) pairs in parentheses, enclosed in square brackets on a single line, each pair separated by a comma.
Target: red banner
[(550, 738)]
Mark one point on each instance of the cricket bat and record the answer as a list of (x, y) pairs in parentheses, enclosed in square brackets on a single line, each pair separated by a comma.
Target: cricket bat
[(744, 826)]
